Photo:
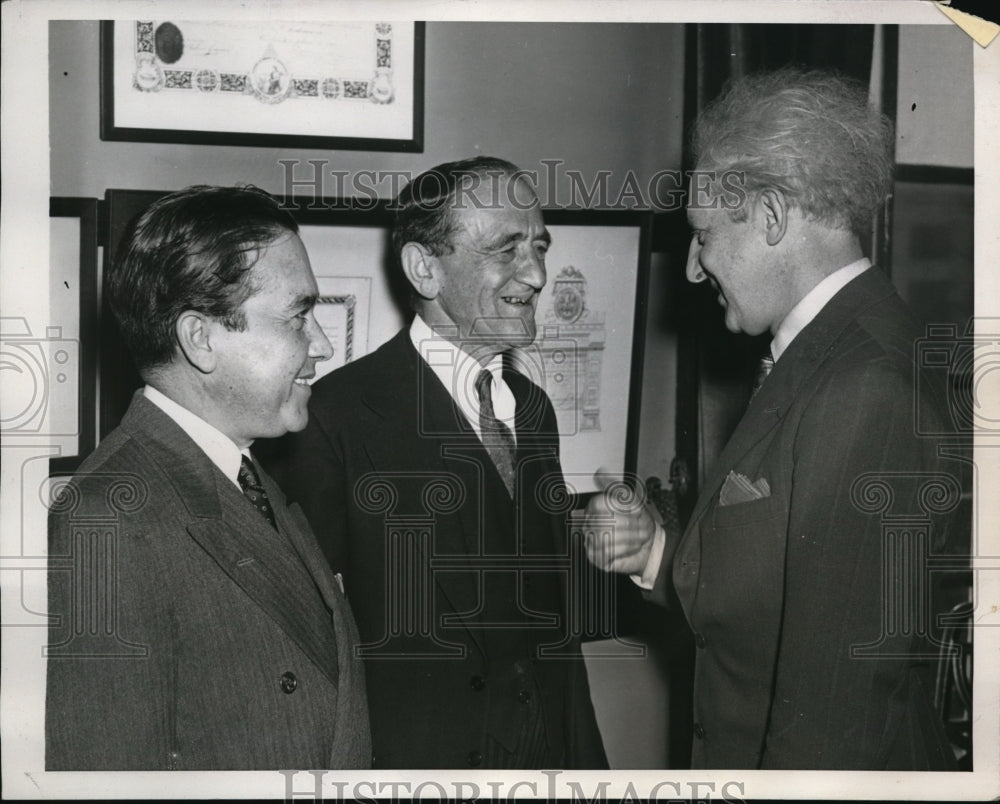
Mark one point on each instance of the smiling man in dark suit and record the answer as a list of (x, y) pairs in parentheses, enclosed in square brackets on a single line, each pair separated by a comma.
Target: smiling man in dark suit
[(214, 635), (424, 472), (782, 571)]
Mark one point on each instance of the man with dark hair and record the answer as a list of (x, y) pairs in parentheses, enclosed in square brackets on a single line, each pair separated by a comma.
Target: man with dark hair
[(784, 572), (421, 470), (196, 624)]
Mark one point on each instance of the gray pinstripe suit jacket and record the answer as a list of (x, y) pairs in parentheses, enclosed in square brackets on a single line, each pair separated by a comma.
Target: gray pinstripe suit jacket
[(785, 592), (230, 645)]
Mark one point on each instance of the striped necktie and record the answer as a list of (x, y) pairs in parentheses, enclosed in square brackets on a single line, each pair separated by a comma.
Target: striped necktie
[(766, 364), (253, 490), (496, 436)]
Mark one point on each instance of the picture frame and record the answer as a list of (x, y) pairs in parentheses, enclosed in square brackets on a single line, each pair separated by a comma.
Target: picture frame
[(73, 340), (264, 83)]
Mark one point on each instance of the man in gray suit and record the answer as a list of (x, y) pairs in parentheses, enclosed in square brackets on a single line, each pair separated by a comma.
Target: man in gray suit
[(195, 622)]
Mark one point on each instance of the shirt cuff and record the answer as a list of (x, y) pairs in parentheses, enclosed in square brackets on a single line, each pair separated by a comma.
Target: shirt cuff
[(648, 578)]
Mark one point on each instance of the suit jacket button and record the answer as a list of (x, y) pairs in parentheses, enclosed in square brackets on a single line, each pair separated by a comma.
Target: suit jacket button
[(289, 682), (699, 732), (477, 682), (475, 759), (699, 640)]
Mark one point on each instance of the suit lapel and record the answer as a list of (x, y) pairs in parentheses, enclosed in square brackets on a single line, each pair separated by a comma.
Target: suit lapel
[(423, 431), (246, 548), (539, 472), (274, 579)]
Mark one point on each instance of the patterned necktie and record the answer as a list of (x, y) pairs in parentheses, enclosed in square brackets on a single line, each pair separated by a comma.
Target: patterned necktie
[(497, 437), (766, 364), (253, 490)]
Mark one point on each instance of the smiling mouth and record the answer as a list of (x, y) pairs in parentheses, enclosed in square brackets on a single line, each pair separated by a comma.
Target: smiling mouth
[(304, 381), (517, 301)]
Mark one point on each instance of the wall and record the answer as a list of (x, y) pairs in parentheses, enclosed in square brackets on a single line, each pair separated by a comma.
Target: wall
[(934, 101)]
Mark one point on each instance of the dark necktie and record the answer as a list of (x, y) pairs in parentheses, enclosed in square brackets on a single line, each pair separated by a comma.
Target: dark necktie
[(766, 364), (253, 490), (497, 437)]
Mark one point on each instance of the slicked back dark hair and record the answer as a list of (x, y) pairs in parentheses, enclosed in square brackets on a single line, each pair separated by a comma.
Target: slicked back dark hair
[(809, 133), (424, 207), (190, 250)]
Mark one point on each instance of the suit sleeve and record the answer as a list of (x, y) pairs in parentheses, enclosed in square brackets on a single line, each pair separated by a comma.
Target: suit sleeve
[(107, 697), (832, 709)]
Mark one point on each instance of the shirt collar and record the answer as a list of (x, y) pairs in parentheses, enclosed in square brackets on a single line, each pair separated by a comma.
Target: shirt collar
[(802, 314), (458, 371), (220, 448)]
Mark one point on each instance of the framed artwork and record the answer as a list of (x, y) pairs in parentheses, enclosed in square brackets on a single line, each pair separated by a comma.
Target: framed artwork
[(587, 353), (272, 83), (69, 381)]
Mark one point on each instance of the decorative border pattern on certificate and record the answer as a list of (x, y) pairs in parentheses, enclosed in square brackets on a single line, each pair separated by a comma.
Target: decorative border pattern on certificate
[(342, 312), (164, 61), (348, 303), (274, 83)]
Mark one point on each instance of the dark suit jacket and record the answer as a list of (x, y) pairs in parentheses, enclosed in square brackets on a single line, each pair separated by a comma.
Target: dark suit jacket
[(190, 635), (388, 455), (779, 590)]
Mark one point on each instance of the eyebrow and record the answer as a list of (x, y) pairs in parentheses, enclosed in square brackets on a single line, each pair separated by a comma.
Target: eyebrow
[(304, 301), (515, 237)]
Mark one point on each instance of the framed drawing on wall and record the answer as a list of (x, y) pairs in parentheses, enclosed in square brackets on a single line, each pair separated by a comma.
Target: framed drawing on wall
[(274, 83), (588, 350)]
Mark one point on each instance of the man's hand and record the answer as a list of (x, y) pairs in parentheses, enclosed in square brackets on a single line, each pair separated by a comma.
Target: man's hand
[(618, 528)]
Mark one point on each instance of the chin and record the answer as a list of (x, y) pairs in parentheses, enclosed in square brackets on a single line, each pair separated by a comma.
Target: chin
[(295, 422)]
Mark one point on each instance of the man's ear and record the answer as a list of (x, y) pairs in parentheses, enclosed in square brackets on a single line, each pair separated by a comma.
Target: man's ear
[(421, 269), (194, 336), (774, 207)]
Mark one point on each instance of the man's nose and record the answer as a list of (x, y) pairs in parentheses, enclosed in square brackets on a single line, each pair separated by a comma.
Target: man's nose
[(532, 270), (320, 347), (693, 270)]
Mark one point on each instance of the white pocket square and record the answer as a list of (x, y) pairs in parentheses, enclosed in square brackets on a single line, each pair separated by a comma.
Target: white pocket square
[(739, 489)]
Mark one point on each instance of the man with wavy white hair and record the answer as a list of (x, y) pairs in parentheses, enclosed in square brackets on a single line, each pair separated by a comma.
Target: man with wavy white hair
[(783, 570)]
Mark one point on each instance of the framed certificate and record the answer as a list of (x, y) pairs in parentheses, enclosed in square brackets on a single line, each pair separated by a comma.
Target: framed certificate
[(343, 85)]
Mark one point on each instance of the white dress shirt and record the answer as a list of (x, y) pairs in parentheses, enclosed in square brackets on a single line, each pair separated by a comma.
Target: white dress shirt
[(458, 371), (798, 318), (802, 314), (220, 448)]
